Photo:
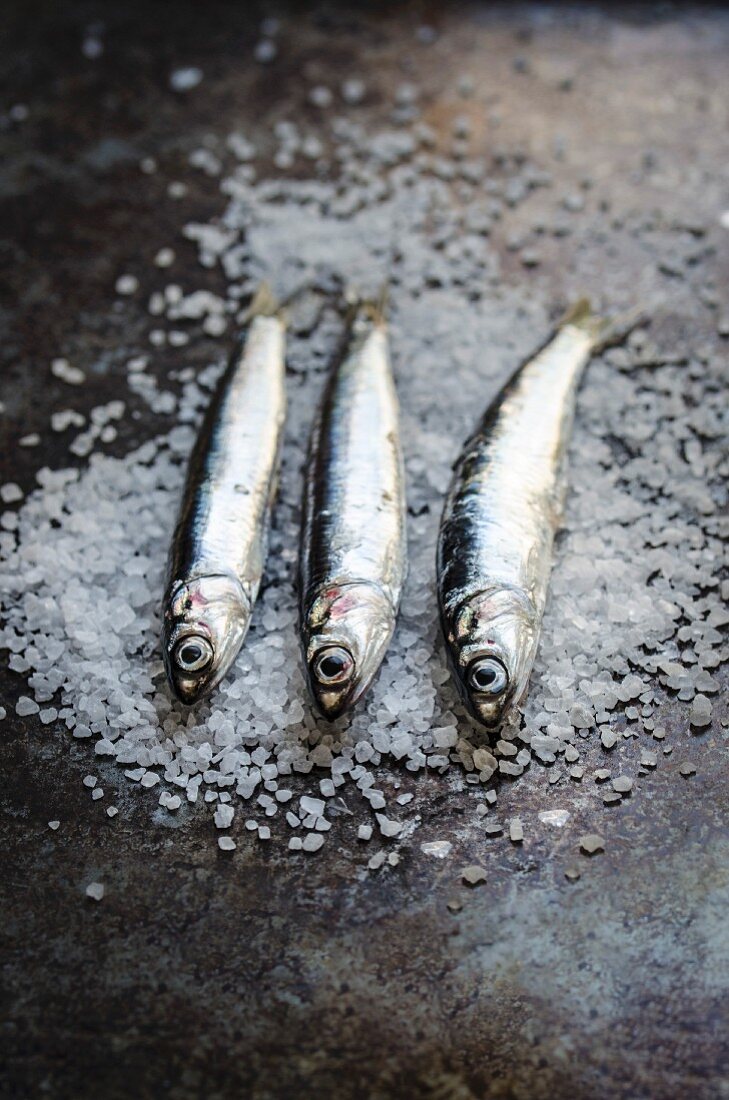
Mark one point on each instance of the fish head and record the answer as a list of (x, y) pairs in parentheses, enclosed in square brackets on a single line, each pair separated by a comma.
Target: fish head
[(492, 644), (345, 636), (205, 622)]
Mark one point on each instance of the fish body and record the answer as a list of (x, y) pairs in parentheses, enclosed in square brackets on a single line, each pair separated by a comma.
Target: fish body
[(352, 559), (500, 517), (219, 546)]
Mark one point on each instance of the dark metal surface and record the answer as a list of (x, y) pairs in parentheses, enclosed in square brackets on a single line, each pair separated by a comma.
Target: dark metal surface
[(261, 975)]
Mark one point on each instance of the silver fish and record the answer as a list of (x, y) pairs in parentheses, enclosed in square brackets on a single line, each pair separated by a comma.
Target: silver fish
[(220, 542), (352, 557), (500, 517)]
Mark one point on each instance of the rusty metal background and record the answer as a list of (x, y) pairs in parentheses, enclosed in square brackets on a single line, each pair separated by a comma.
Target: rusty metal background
[(263, 976)]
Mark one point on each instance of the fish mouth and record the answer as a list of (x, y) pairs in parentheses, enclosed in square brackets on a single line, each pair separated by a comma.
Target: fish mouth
[(331, 706), (190, 691), (486, 711)]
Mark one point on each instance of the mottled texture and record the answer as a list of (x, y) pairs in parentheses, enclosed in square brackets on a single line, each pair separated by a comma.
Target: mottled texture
[(268, 974)]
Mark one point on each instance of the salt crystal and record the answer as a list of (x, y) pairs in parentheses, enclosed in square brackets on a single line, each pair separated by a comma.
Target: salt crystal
[(312, 842), (26, 706), (10, 492), (320, 96), (223, 816), (313, 806), (353, 91), (265, 51), (226, 844), (700, 712), (438, 848), (592, 843), (473, 875), (388, 827), (95, 890), (184, 80), (73, 376), (127, 285), (557, 818)]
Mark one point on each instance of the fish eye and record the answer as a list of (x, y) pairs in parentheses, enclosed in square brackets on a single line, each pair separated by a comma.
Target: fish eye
[(333, 665), (488, 676), (192, 654)]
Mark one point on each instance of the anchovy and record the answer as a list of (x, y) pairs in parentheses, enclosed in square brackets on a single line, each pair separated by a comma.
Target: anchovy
[(220, 542), (501, 513), (352, 559)]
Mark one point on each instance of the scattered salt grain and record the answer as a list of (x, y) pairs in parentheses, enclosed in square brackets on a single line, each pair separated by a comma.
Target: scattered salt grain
[(95, 891), (312, 842), (438, 848), (184, 80), (592, 843), (127, 285), (265, 51), (321, 96), (10, 492), (700, 712), (227, 844), (473, 875), (558, 818), (388, 827), (224, 815), (609, 739), (72, 376), (26, 706)]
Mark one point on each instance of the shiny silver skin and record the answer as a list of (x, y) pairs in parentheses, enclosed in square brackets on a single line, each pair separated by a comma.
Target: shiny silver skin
[(220, 542), (352, 557), (501, 513)]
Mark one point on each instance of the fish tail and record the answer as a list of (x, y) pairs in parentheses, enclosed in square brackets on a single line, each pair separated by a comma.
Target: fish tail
[(603, 331), (264, 303), (374, 308)]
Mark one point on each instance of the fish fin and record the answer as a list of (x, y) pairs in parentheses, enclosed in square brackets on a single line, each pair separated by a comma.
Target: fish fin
[(603, 331), (264, 303)]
